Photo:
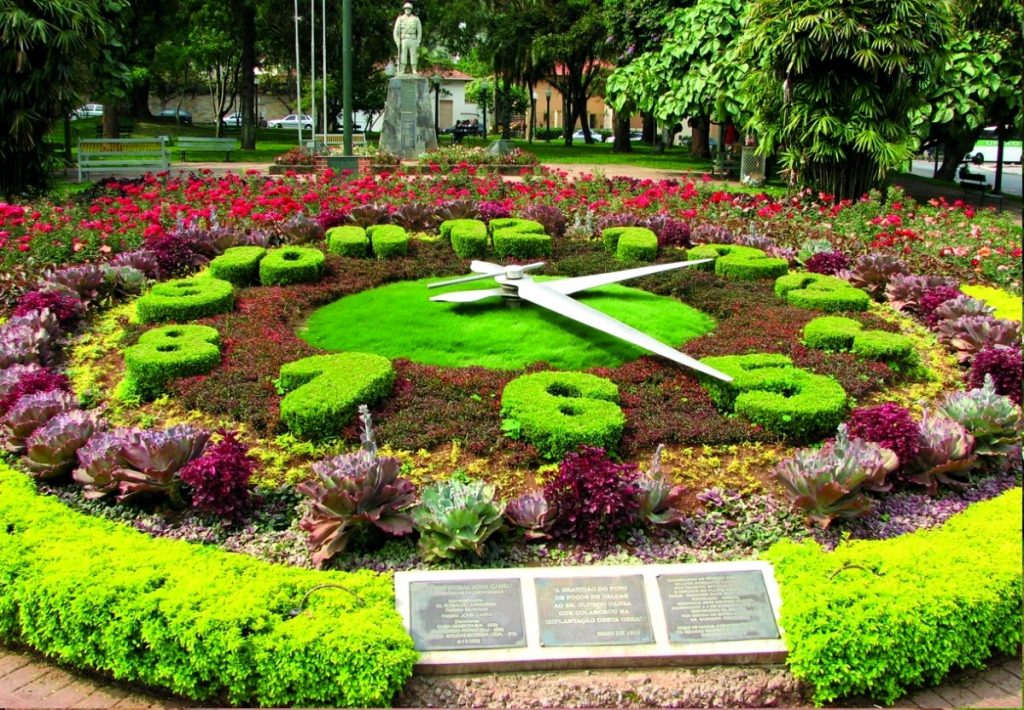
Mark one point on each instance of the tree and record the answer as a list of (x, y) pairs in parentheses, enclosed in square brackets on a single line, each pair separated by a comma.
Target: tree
[(47, 49), (833, 85)]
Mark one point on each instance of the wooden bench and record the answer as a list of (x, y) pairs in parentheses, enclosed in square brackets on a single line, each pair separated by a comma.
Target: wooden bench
[(121, 154), (124, 130), (976, 183), (333, 142), (725, 164), (206, 144)]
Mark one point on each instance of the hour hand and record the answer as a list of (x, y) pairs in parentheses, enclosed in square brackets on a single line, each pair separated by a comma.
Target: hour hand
[(580, 283), (467, 296)]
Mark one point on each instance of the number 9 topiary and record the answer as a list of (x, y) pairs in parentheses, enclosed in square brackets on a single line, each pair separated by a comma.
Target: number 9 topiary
[(519, 238), (167, 353)]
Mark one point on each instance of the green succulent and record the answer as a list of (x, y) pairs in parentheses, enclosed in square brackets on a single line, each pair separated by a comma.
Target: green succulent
[(992, 419), (455, 517)]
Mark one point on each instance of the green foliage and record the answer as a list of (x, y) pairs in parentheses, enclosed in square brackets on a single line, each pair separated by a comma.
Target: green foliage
[(826, 293), (631, 243), (215, 626), (388, 240), (455, 516), (769, 391), (559, 411), (520, 240), (991, 418), (837, 333), (169, 352), (291, 265), (525, 226), (468, 237), (324, 391), (474, 225), (878, 618), (239, 265), (185, 299), (349, 240), (740, 262)]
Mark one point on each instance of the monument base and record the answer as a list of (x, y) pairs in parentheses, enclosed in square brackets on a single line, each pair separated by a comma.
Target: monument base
[(408, 129)]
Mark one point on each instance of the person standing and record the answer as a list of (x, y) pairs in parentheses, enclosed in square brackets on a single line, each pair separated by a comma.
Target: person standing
[(408, 32)]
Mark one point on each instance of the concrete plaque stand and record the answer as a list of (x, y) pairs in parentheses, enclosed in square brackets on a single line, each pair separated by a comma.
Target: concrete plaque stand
[(408, 129), (541, 618)]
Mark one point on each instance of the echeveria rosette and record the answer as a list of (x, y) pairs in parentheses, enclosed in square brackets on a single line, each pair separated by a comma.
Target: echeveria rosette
[(29, 379), (658, 499), (944, 451), (969, 335), (992, 419), (532, 514), (28, 339), (829, 483), (954, 308), (97, 461), (51, 450), (150, 459), (871, 272), (31, 412), (455, 517), (904, 291), (354, 490), (86, 280)]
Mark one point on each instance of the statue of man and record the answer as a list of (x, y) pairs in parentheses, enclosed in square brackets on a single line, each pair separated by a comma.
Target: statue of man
[(408, 32)]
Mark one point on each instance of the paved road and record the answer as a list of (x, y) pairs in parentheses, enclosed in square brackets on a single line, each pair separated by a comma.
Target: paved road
[(1011, 174)]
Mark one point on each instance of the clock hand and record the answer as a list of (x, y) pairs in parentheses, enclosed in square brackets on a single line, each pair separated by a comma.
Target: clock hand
[(579, 283), (543, 296), (467, 296), (486, 270)]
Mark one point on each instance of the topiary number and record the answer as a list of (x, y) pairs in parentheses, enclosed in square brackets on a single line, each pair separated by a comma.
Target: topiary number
[(839, 333), (167, 353), (519, 238), (559, 411), (827, 293), (185, 300), (740, 262), (324, 391)]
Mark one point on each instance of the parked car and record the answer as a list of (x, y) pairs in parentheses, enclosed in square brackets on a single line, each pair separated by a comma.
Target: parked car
[(183, 116), (88, 111), (598, 137), (292, 121), (232, 119)]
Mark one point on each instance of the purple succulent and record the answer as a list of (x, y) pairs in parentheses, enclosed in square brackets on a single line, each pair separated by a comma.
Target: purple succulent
[(31, 412), (51, 449), (944, 450), (904, 291), (1003, 364), (97, 461), (532, 514)]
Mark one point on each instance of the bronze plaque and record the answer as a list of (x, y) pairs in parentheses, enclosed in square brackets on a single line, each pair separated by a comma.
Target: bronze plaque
[(717, 606), (463, 615), (592, 611)]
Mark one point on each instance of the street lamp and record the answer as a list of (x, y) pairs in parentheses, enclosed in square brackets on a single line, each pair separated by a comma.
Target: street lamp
[(436, 81), (533, 115), (547, 95), (485, 95), (298, 75)]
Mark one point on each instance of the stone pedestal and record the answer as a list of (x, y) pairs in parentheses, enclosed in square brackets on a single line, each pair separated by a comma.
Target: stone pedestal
[(408, 129)]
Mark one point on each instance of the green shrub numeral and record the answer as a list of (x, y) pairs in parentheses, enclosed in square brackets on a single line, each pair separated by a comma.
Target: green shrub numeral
[(769, 391), (519, 238), (185, 299), (841, 334), (291, 265), (740, 262), (559, 411), (239, 265), (388, 240), (349, 240), (468, 237), (167, 353), (324, 391), (826, 293), (631, 243)]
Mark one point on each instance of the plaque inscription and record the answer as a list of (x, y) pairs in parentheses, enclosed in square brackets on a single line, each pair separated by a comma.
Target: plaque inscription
[(464, 615), (717, 606), (593, 611)]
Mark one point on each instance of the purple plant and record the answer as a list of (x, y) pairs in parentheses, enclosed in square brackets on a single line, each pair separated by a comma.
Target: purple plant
[(86, 280), (97, 461), (23, 342), (617, 219), (658, 499), (532, 514), (64, 305), (150, 460), (962, 306), (904, 291), (671, 232), (29, 379), (332, 218), (1003, 364), (944, 451), (872, 272), (142, 260), (931, 299), (300, 229), (593, 497), (888, 425), (551, 217), (992, 419), (969, 335), (51, 449), (31, 412), (219, 479), (368, 215), (492, 210), (828, 262), (173, 254), (457, 209), (707, 233)]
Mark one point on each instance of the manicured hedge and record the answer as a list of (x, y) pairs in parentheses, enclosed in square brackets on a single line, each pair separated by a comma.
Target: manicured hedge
[(470, 225), (469, 237), (526, 226), (521, 245), (239, 265), (839, 333), (324, 391), (740, 262), (388, 240), (879, 618), (291, 265), (769, 391), (183, 300), (169, 352), (827, 293), (194, 620), (559, 411), (349, 240), (636, 244)]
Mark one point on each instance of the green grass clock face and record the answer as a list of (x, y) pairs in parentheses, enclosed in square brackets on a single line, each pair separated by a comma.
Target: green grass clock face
[(398, 320)]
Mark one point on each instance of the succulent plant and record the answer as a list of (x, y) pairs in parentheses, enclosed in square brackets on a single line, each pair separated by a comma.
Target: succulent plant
[(86, 280), (904, 291), (300, 229), (532, 514), (368, 215), (550, 216), (454, 517), (126, 280), (149, 460), (457, 209), (618, 219), (140, 259), (930, 301), (944, 451), (707, 233), (11, 376), (992, 419), (97, 460), (207, 243), (830, 482), (1004, 365), (962, 306), (51, 449), (658, 498), (969, 335), (671, 232), (415, 217), (21, 380), (268, 238), (872, 272), (22, 344), (31, 412), (810, 247)]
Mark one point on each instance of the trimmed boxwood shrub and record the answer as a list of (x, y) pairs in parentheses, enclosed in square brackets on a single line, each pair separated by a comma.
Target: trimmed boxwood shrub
[(348, 241), (291, 265), (769, 391), (470, 225), (880, 617), (736, 261), (637, 244), (521, 245), (169, 352), (469, 238), (239, 265), (827, 293), (388, 240), (838, 333), (559, 411), (324, 391), (525, 226), (197, 621), (185, 299)]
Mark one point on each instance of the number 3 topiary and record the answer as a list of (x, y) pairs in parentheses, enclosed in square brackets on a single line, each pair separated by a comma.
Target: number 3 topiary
[(559, 411), (185, 299)]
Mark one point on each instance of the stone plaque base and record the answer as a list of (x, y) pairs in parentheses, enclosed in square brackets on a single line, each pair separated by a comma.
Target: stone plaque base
[(541, 618), (408, 128)]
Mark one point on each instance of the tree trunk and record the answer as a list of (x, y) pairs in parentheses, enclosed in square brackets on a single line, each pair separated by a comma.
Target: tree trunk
[(843, 179), (953, 152), (138, 101), (648, 129), (111, 125), (622, 143), (700, 146), (247, 88)]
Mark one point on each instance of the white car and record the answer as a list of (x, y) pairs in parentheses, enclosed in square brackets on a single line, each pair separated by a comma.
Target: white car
[(292, 121), (88, 111), (578, 136)]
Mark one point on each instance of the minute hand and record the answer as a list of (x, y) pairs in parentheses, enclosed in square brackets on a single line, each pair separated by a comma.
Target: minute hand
[(580, 283), (541, 295)]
